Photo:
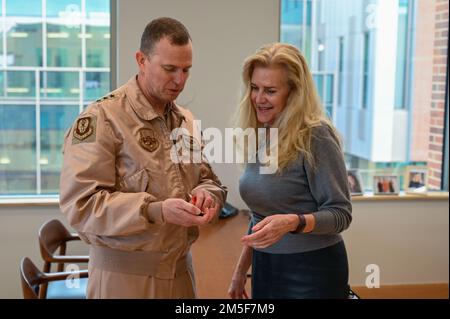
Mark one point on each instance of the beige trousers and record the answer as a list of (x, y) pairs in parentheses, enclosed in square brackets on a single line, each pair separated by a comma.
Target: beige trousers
[(105, 284)]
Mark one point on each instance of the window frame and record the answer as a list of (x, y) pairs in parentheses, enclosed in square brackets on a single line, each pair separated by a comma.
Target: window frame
[(37, 100)]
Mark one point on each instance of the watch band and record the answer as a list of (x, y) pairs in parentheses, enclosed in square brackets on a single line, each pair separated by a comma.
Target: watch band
[(301, 225)]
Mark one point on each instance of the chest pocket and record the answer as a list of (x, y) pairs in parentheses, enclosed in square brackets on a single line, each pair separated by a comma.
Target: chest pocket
[(138, 182)]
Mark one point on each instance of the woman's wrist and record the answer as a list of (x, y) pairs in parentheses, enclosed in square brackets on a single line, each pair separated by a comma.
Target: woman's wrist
[(300, 224), (310, 223), (239, 275), (241, 271), (303, 223)]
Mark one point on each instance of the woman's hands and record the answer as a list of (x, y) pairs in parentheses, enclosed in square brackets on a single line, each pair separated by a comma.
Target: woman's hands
[(237, 286), (270, 230)]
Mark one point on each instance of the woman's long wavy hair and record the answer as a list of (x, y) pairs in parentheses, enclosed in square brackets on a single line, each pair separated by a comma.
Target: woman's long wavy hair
[(303, 110)]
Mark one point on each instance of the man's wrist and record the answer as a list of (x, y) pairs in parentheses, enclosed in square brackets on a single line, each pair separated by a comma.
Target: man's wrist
[(154, 212)]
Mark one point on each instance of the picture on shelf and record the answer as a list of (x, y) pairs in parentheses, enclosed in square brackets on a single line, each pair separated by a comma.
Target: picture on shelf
[(386, 185), (416, 180), (354, 182)]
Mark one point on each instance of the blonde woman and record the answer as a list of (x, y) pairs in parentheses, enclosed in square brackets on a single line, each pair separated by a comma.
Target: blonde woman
[(294, 244)]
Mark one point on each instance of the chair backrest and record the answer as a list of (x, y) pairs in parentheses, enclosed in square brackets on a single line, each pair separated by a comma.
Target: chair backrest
[(31, 278), (53, 234)]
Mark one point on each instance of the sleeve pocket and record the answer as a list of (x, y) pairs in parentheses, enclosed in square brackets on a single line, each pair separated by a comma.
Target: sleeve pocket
[(138, 182)]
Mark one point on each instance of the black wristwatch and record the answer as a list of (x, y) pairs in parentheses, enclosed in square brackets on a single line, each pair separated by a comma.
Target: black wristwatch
[(301, 225)]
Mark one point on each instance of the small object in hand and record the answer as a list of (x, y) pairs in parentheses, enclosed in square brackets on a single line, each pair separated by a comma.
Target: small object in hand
[(193, 202)]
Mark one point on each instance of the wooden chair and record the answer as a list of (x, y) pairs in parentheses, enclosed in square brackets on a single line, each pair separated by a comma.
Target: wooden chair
[(32, 280), (53, 235)]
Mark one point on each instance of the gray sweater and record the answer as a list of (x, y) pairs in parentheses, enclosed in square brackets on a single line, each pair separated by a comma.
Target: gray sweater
[(301, 188)]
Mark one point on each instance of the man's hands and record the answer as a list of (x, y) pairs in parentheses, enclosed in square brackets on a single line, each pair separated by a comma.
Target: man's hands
[(206, 203), (199, 211), (270, 230)]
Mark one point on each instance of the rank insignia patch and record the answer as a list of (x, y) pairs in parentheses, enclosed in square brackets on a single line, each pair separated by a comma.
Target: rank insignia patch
[(84, 130), (148, 140)]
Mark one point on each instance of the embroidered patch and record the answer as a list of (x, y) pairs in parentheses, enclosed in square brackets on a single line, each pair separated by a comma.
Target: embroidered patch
[(84, 130), (148, 140)]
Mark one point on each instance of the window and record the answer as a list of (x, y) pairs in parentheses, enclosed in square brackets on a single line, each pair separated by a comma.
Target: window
[(402, 67), (324, 84), (387, 62), (53, 62), (296, 20)]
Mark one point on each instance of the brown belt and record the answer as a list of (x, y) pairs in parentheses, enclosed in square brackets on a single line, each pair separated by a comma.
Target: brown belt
[(147, 263)]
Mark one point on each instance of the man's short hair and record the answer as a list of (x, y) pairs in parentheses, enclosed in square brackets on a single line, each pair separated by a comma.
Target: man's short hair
[(160, 28)]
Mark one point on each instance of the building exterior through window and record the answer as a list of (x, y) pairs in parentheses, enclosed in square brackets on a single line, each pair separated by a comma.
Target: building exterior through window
[(380, 69), (54, 60)]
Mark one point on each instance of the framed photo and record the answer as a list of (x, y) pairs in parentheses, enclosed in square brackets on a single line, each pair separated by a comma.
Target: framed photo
[(354, 182), (386, 185), (416, 180)]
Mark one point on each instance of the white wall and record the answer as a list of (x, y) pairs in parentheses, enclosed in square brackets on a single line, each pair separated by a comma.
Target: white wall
[(224, 33), (19, 238), (408, 240)]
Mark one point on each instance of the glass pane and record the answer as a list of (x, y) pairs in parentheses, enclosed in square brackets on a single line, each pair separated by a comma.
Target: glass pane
[(329, 86), (1, 40), (329, 110), (23, 8), (292, 12), (63, 33), (65, 9), (309, 12), (296, 24), (97, 46), (97, 33), (318, 79), (292, 22), (55, 121), (20, 84), (401, 55), (60, 85), (24, 32), (389, 121), (96, 85), (17, 149), (98, 7), (21, 28)]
